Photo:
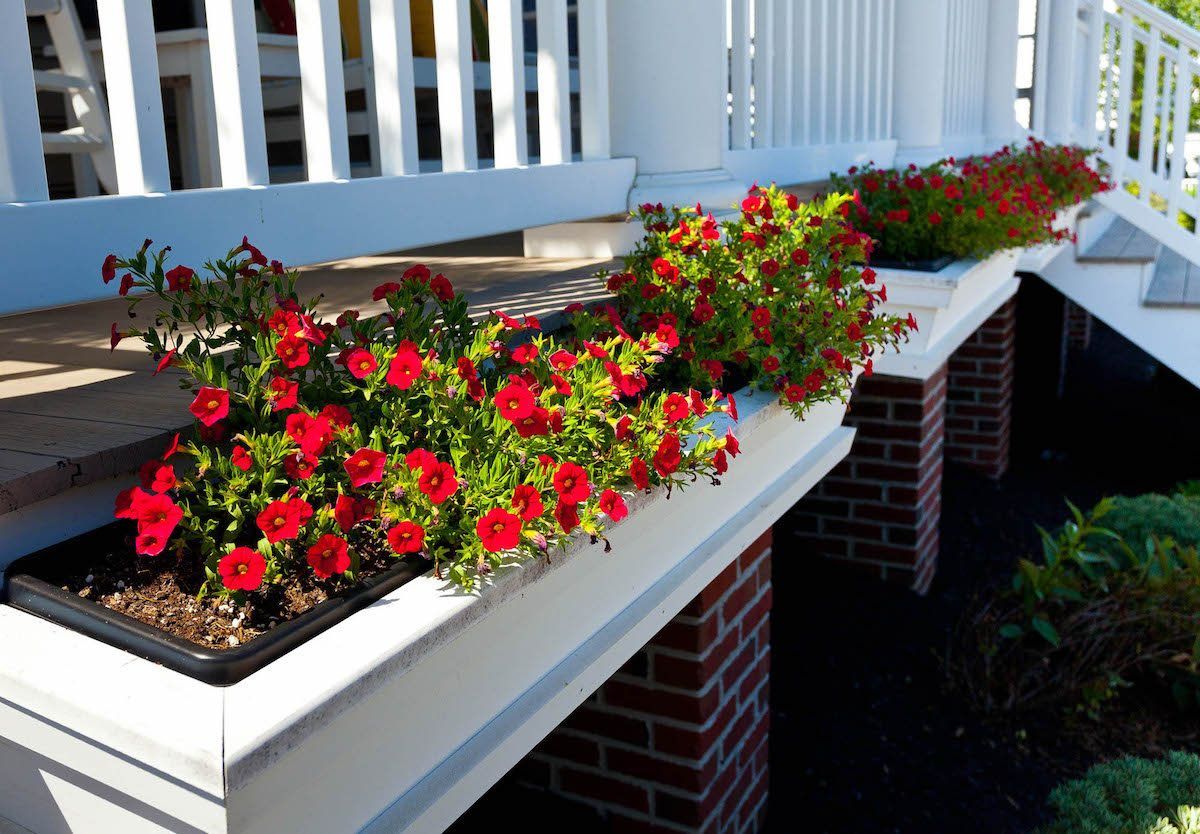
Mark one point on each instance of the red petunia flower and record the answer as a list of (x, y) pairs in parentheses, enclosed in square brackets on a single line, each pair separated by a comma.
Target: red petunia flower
[(537, 423), (595, 350), (571, 483), (338, 416), (299, 466), (365, 467), (675, 407), (438, 481), (720, 462), (667, 457), (171, 449), (292, 351), (567, 516), (441, 288), (311, 434), (361, 363), (283, 393), (114, 337), (515, 401), (405, 367), (406, 537), (108, 270), (417, 272), (256, 256), (242, 569), (613, 505), (639, 473), (156, 513), (524, 354), (158, 476), (731, 444), (329, 555), (563, 360), (527, 501), (384, 290), (127, 282), (165, 362), (150, 542), (498, 530), (211, 405), (282, 519), (241, 459), (179, 279)]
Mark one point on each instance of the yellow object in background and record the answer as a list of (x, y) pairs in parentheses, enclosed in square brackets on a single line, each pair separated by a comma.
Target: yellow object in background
[(421, 20)]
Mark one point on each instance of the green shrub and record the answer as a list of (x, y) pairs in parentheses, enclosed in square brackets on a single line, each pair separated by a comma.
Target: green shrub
[(1137, 519), (1106, 607), (1131, 796)]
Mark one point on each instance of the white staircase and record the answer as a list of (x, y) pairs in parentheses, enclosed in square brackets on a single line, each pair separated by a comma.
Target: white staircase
[(1148, 293), (76, 80)]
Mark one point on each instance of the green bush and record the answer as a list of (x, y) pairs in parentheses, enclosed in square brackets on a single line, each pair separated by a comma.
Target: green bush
[(1112, 602), (1137, 519), (1131, 796)]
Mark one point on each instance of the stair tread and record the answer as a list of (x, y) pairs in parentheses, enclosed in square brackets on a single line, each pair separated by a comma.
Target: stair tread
[(1175, 282), (1122, 242)]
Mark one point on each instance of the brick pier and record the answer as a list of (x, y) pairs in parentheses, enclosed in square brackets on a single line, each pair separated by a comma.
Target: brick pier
[(676, 741)]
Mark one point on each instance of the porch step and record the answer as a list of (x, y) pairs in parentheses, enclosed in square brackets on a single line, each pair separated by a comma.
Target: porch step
[(1122, 242), (1175, 282), (72, 413)]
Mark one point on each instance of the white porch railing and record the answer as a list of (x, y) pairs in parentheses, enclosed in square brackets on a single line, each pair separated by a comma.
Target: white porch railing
[(1121, 76), (706, 97), (810, 86)]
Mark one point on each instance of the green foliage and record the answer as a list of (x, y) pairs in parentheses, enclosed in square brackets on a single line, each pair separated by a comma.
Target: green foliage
[(1136, 520), (1113, 601), (1131, 796)]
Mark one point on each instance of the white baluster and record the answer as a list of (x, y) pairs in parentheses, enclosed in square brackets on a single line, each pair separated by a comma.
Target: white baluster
[(134, 96), (456, 84), (783, 71), (1183, 118), (554, 82), (763, 62), (323, 83), (395, 102), (739, 78), (1125, 69), (237, 92), (22, 166), (1150, 79), (506, 43), (593, 78)]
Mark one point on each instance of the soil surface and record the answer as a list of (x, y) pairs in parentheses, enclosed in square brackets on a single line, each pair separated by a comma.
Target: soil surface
[(866, 736), (162, 590)]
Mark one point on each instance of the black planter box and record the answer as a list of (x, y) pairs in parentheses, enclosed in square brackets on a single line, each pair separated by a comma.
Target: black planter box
[(219, 667), (927, 265)]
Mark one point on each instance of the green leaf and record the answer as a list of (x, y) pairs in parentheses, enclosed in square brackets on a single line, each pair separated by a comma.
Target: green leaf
[(1043, 627)]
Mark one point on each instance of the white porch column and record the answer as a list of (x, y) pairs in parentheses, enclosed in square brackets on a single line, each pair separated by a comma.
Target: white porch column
[(919, 82), (1000, 91), (667, 80), (1058, 66), (668, 76)]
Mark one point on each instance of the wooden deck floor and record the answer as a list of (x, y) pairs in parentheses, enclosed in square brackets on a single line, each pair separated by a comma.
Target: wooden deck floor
[(72, 413)]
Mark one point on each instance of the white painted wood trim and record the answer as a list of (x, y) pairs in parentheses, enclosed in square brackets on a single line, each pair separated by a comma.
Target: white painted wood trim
[(740, 74), (310, 222), (22, 166), (395, 96), (553, 76), (802, 164), (455, 84), (134, 97), (506, 44), (323, 85), (592, 17), (237, 93), (949, 305)]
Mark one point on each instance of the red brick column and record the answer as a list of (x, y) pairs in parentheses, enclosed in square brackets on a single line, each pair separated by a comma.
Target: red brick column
[(979, 397), (879, 509), (1077, 322), (677, 740)]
